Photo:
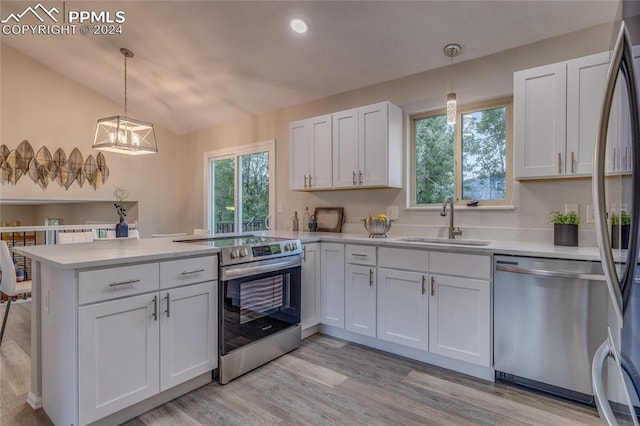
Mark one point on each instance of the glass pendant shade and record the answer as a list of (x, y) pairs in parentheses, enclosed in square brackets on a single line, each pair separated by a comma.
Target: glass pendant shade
[(125, 135), (451, 108)]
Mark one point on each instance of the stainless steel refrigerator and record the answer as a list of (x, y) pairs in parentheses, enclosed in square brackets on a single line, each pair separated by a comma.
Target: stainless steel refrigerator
[(616, 364)]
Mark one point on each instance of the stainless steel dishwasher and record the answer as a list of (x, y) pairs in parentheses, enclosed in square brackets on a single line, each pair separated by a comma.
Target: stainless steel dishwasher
[(549, 318)]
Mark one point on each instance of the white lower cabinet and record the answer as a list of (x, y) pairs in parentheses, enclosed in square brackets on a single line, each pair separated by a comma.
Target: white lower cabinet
[(332, 284), (460, 319), (119, 346), (403, 308), (310, 314), (360, 299)]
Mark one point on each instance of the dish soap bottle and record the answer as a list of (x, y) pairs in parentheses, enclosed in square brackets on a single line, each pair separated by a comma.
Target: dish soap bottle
[(296, 222)]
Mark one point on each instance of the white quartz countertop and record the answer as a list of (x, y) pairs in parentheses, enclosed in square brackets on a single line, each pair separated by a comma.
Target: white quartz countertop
[(112, 252), (516, 248)]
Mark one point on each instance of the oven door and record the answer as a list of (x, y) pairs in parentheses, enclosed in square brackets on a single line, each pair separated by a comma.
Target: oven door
[(258, 299)]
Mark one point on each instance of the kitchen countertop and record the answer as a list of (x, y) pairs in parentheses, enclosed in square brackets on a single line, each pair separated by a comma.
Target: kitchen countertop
[(118, 252), (112, 252)]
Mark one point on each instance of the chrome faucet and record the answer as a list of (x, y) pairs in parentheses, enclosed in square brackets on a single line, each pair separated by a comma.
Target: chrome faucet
[(453, 231)]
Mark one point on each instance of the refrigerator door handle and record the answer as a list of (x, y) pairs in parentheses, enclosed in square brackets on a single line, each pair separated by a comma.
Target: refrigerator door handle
[(621, 62)]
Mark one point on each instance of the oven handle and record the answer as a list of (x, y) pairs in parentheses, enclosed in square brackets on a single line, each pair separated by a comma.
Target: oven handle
[(233, 272)]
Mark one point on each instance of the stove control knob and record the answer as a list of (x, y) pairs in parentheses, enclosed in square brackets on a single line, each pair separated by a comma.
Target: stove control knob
[(243, 252), (287, 247), (234, 253), (294, 246)]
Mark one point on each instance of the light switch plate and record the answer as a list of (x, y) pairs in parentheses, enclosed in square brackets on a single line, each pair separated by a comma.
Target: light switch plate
[(392, 212), (591, 214)]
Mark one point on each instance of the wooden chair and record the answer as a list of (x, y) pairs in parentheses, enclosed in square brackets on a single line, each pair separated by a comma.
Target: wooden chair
[(9, 284)]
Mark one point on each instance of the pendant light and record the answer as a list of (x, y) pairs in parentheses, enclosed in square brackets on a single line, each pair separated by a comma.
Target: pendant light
[(123, 134), (451, 50)]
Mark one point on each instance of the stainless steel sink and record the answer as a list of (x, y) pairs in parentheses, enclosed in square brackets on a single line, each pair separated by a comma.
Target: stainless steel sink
[(444, 241)]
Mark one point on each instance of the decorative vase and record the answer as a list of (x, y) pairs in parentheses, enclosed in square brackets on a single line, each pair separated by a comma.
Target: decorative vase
[(620, 236), (122, 229), (565, 235)]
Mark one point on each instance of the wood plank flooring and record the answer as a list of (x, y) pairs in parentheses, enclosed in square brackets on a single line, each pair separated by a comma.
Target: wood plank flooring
[(325, 382)]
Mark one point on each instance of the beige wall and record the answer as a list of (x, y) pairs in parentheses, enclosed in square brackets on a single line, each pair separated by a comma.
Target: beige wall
[(46, 108), (481, 79)]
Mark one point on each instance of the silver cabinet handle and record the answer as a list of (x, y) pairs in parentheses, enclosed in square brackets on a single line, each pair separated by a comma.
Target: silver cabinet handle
[(168, 311), (116, 284), (626, 158), (155, 308), (305, 181), (370, 277), (358, 255), (572, 162), (354, 178), (309, 181), (304, 253), (360, 177), (559, 163), (615, 162), (195, 271), (423, 283), (433, 286), (549, 273)]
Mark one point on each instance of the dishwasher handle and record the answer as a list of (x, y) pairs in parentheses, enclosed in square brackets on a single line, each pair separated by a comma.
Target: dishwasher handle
[(549, 273)]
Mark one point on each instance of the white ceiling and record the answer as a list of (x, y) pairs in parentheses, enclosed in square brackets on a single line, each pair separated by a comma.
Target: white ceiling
[(201, 63)]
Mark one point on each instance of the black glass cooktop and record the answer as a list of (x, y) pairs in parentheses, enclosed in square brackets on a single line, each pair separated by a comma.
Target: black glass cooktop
[(233, 241)]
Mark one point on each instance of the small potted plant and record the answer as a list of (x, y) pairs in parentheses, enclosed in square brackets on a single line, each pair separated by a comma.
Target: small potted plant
[(620, 225), (565, 228)]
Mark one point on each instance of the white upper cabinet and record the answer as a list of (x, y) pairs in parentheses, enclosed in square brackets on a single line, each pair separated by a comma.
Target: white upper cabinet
[(310, 153), (369, 155), (539, 97), (557, 115), (357, 148), (586, 78)]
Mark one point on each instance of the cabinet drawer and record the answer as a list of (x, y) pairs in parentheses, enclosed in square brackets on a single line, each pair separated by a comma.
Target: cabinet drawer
[(174, 273), (110, 283), (468, 265), (411, 260), (361, 255)]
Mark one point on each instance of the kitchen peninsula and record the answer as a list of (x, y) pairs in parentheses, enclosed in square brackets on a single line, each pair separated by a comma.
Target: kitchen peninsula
[(118, 322)]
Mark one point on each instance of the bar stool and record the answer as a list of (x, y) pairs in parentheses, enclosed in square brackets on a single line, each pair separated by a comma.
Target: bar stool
[(9, 284)]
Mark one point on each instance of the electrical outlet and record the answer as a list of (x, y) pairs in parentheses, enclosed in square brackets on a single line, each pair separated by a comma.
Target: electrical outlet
[(591, 214), (568, 208), (279, 205), (392, 212)]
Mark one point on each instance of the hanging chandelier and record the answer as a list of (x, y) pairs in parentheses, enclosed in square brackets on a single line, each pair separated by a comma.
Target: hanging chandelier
[(123, 134)]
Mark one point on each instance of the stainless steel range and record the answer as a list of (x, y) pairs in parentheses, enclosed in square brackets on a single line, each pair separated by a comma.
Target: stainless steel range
[(259, 300)]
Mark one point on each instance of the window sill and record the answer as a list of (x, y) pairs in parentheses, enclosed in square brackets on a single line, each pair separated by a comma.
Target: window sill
[(506, 207)]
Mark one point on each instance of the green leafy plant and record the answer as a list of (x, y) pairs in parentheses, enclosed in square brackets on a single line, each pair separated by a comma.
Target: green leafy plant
[(121, 196), (623, 218), (570, 218)]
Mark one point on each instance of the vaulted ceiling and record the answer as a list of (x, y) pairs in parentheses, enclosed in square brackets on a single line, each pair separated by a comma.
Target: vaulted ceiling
[(201, 63)]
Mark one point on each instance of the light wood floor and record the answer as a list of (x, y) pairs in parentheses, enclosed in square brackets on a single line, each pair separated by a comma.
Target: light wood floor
[(325, 382)]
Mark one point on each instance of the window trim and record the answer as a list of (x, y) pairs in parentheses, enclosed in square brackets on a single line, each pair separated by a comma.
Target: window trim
[(506, 203), (235, 152)]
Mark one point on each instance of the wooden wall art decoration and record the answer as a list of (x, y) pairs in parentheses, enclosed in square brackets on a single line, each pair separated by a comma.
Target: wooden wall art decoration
[(43, 168)]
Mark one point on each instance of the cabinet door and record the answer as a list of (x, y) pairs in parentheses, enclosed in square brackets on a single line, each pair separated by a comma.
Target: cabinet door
[(320, 160), (460, 319), (373, 138), (360, 299), (118, 356), (310, 285), (332, 289), (345, 149), (403, 308), (586, 78), (298, 154), (188, 333), (539, 97)]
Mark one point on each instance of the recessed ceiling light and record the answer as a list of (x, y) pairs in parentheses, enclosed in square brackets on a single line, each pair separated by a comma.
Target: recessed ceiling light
[(299, 26)]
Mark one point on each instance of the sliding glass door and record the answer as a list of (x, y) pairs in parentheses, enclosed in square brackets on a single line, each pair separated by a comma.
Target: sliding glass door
[(241, 188)]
